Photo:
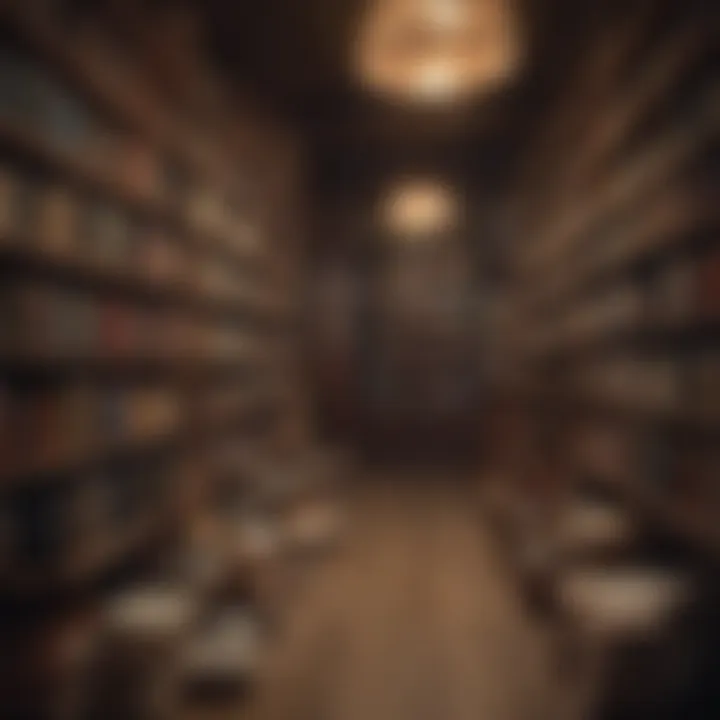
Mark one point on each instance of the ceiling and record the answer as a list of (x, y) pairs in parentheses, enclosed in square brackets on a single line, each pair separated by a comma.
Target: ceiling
[(291, 53), (295, 56)]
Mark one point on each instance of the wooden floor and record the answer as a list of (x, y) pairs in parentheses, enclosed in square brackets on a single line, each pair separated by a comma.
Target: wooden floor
[(413, 618)]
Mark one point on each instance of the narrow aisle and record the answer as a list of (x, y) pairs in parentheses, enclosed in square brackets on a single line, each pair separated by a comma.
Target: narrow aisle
[(412, 619)]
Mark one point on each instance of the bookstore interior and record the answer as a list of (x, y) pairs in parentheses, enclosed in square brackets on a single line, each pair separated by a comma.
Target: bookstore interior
[(378, 341)]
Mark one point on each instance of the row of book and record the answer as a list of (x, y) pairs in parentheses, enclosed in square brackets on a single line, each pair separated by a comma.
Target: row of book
[(48, 528), (682, 292), (47, 428), (49, 219), (33, 100), (56, 220), (619, 454), (665, 383), (41, 321)]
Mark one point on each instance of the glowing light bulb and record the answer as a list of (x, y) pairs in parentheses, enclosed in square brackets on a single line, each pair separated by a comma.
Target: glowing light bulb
[(446, 15), (436, 80), (418, 208)]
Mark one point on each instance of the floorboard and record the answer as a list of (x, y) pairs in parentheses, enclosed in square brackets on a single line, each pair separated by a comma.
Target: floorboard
[(412, 618)]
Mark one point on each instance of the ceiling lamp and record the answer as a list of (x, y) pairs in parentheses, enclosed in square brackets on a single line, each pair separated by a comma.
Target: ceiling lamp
[(445, 15), (419, 208), (437, 50), (436, 81)]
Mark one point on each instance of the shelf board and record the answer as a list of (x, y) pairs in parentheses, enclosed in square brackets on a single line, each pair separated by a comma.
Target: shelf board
[(681, 521), (15, 255), (19, 255), (643, 185), (665, 231), (681, 332), (46, 470), (98, 558), (30, 143), (682, 416), (21, 365), (59, 468), (105, 365), (665, 512)]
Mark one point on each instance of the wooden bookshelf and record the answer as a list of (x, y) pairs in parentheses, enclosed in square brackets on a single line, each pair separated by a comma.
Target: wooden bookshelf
[(251, 301), (597, 229)]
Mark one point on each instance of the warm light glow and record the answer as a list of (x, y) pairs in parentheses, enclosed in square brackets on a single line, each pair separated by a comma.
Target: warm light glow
[(437, 80), (419, 208), (437, 50), (446, 15)]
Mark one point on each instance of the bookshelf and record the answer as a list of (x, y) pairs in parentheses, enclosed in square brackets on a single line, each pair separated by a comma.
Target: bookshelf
[(611, 316), (142, 303)]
